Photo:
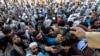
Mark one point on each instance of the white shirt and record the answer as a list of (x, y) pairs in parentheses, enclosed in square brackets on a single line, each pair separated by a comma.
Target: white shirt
[(76, 23), (47, 22), (71, 18)]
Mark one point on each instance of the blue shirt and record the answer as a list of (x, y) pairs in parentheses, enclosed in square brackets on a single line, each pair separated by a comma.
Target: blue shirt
[(50, 40)]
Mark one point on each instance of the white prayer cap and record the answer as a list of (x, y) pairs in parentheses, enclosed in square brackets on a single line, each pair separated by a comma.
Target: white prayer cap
[(33, 44)]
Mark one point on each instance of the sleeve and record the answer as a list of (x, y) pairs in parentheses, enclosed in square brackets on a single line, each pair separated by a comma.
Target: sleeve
[(40, 54), (93, 39), (42, 46), (51, 41), (88, 22), (69, 18)]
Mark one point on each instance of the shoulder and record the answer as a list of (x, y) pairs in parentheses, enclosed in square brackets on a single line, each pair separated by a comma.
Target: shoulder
[(40, 54), (29, 53), (8, 51)]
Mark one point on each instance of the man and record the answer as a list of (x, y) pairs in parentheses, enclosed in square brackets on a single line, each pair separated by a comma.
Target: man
[(8, 33), (92, 37), (34, 50), (89, 19), (39, 38), (17, 48)]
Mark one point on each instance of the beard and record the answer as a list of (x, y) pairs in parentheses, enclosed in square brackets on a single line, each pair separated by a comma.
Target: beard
[(18, 44), (35, 53)]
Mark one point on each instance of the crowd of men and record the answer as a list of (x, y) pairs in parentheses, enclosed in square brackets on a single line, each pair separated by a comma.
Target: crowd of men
[(44, 30)]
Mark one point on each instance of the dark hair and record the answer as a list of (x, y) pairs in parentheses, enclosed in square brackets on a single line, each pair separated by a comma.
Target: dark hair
[(62, 23), (47, 30), (92, 22), (39, 25), (40, 18), (90, 13), (70, 23), (20, 36), (1, 24), (66, 43), (26, 23), (35, 33), (19, 33), (6, 29), (28, 6), (22, 42), (54, 22), (14, 36), (76, 18)]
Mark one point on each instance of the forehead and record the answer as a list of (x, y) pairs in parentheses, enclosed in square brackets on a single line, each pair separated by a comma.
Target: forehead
[(34, 46), (15, 36), (97, 21)]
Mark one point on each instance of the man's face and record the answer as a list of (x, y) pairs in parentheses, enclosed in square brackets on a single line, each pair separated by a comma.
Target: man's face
[(93, 15), (35, 49), (60, 38), (66, 48), (39, 37), (51, 33), (10, 33), (97, 24), (31, 29), (16, 39)]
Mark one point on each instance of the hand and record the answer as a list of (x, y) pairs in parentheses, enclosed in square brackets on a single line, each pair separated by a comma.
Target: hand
[(79, 32), (49, 48), (54, 50)]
